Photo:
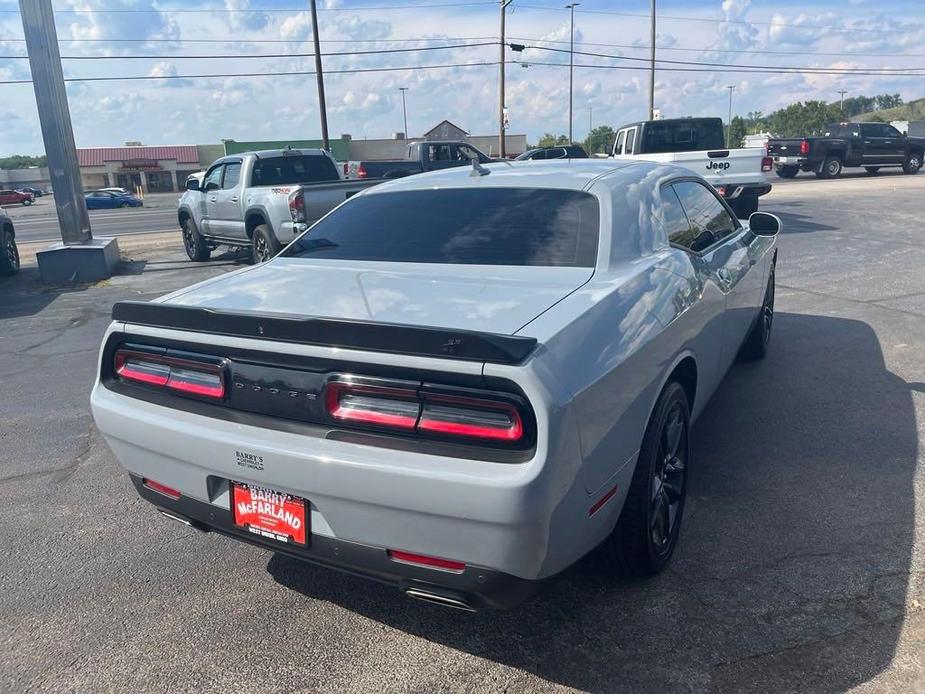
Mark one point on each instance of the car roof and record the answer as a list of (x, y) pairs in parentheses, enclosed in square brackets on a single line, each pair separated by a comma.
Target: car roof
[(271, 153), (567, 174)]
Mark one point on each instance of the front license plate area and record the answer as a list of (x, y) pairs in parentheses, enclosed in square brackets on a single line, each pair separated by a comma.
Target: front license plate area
[(270, 514)]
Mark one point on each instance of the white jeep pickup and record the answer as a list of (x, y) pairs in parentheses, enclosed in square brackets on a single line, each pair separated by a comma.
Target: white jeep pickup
[(698, 144), (261, 200)]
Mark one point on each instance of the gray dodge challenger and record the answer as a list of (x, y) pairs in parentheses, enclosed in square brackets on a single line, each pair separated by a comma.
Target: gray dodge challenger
[(457, 383)]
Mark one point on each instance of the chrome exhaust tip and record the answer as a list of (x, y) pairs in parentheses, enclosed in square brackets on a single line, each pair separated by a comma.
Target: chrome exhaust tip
[(438, 599), (180, 519)]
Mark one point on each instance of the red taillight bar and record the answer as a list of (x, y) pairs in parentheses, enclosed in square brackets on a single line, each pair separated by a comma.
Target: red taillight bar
[(169, 492), (412, 409), (456, 567), (804, 147), (767, 164), (393, 407), (194, 378)]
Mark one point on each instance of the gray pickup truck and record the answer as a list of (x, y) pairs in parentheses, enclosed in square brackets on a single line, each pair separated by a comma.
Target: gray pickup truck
[(421, 157), (261, 200)]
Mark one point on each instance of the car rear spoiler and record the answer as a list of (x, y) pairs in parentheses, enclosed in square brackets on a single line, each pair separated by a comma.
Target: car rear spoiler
[(445, 343)]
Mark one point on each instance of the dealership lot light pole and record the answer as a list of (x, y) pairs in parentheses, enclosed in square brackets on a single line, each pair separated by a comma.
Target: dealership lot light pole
[(501, 119), (652, 66), (571, 64), (731, 88), (404, 111), (38, 22), (319, 76)]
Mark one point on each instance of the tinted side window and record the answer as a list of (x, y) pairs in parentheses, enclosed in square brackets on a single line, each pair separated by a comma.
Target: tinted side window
[(213, 179), (675, 221), (539, 154), (232, 175), (705, 212), (477, 226), (293, 168)]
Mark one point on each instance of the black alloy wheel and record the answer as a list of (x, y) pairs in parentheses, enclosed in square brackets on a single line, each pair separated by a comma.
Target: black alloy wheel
[(668, 480), (913, 163), (756, 344), (193, 243), (647, 531)]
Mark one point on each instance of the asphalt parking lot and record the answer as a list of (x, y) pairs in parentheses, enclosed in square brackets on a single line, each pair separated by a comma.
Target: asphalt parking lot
[(800, 566)]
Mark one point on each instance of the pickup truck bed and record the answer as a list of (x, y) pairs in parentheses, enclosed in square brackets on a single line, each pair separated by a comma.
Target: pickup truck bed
[(260, 199), (421, 157)]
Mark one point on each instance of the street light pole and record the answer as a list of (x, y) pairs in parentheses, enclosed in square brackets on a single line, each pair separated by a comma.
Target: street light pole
[(731, 88), (404, 111), (501, 144), (652, 67), (842, 92), (571, 65), (38, 22), (319, 77)]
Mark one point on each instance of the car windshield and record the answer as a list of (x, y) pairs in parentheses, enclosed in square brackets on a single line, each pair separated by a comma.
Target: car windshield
[(291, 169), (493, 226)]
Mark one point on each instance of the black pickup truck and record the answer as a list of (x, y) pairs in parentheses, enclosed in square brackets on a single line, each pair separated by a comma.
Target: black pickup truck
[(9, 255), (422, 156), (871, 145)]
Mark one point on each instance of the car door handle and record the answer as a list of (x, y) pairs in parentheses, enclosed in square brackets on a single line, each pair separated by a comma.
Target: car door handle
[(234, 198), (212, 198)]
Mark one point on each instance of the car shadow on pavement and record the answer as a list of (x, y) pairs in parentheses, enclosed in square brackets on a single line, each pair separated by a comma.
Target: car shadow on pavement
[(794, 222), (795, 554)]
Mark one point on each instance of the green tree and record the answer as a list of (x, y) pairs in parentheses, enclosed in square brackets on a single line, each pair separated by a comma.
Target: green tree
[(22, 161), (550, 140), (736, 131), (600, 140), (802, 118)]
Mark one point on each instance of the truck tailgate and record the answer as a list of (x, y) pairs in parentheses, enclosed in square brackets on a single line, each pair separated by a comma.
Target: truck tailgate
[(720, 167)]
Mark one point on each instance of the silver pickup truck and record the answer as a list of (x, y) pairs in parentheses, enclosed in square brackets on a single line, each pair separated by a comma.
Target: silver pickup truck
[(261, 200)]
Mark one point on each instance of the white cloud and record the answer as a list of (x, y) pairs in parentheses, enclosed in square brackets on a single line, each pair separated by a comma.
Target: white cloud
[(241, 17), (168, 71)]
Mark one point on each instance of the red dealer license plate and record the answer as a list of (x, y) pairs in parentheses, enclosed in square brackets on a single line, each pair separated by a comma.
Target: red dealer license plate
[(269, 514)]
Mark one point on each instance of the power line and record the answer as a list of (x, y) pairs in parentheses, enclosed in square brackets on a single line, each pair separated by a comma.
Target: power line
[(240, 56), (258, 10), (713, 49), (788, 68), (832, 71), (716, 20), (140, 78)]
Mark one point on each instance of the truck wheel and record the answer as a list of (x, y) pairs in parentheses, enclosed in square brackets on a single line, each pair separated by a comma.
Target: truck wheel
[(9, 254), (871, 169), (831, 168), (27, 201), (196, 247), (913, 163), (646, 533), (744, 206), (265, 245), (788, 171)]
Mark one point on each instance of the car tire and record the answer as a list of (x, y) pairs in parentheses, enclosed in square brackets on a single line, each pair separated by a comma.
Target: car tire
[(193, 242), (9, 254), (264, 244), (871, 169), (647, 531), (756, 344), (744, 206), (787, 171), (124, 205), (831, 168), (913, 163), (26, 202)]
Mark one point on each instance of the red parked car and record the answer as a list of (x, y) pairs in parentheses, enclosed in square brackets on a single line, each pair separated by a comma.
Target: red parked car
[(14, 197)]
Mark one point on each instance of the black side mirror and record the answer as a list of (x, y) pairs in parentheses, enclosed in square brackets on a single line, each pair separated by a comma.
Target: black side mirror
[(192, 184), (765, 224), (211, 185)]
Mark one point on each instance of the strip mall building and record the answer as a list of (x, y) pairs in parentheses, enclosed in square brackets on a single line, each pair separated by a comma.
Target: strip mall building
[(164, 168)]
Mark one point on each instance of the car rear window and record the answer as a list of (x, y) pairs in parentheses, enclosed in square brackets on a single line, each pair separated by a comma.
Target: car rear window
[(292, 169), (683, 135), (492, 226)]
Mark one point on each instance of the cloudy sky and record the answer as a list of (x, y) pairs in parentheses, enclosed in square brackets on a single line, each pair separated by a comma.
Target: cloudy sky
[(187, 103)]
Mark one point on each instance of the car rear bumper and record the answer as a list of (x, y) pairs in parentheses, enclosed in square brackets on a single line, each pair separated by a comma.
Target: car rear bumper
[(788, 161), (501, 518), (474, 588)]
